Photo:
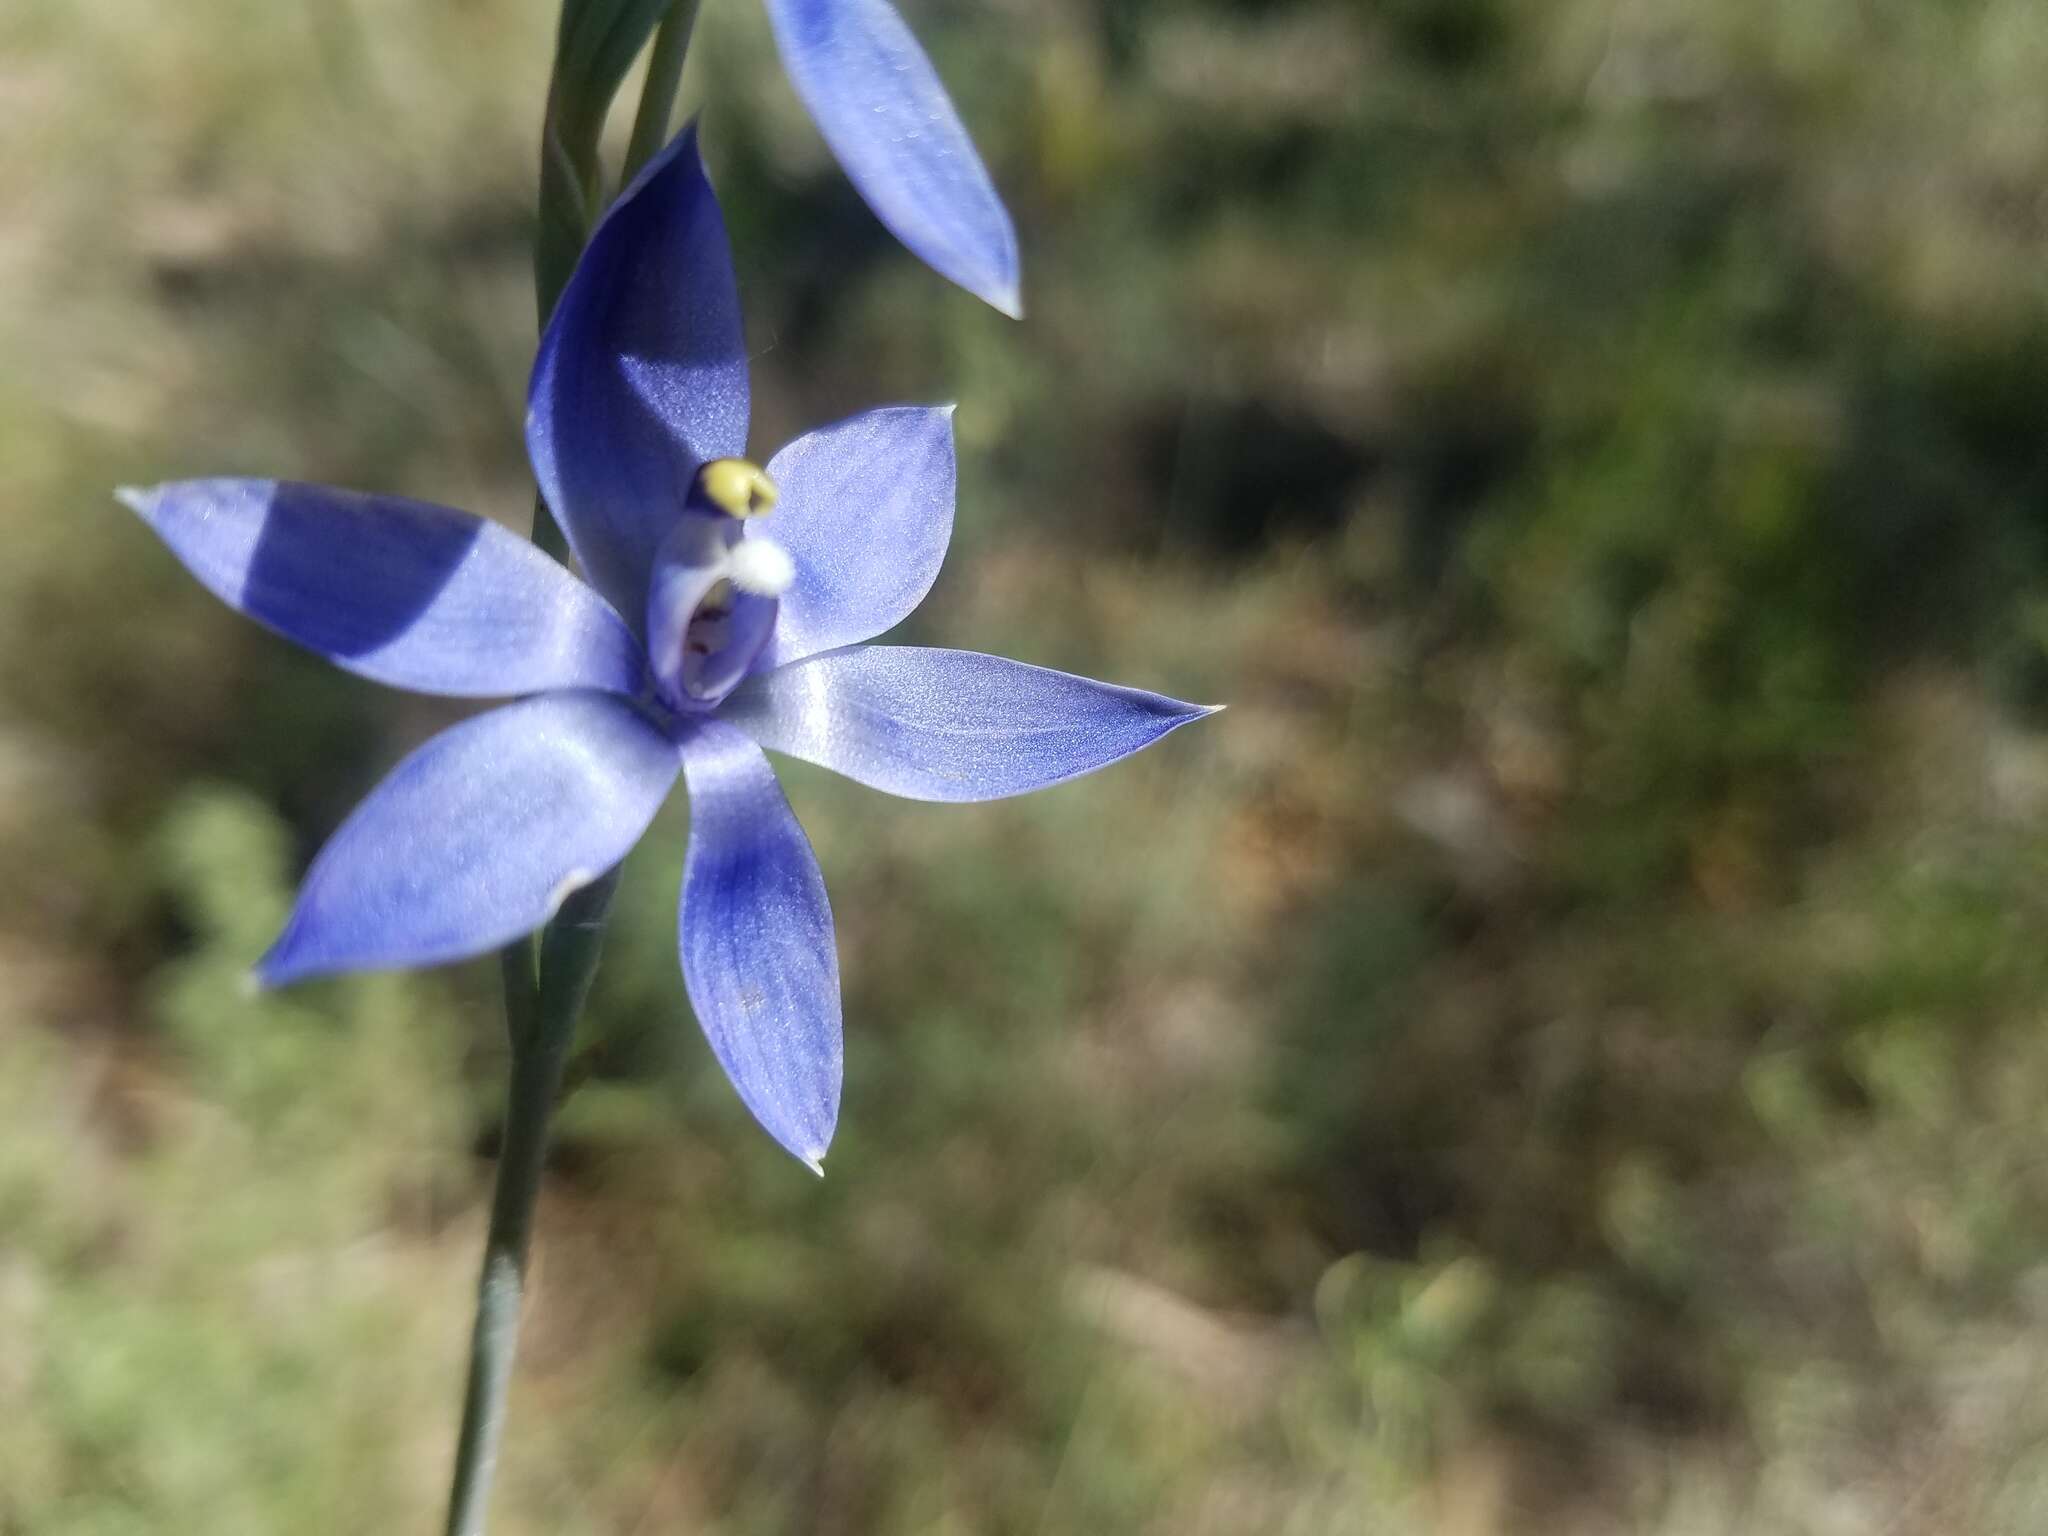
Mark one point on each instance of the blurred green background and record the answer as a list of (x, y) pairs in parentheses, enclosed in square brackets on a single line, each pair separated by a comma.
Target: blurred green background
[(1565, 1053)]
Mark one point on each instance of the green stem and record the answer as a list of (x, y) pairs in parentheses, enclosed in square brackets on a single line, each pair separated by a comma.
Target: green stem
[(569, 955), (569, 193), (494, 1344), (543, 1001), (658, 95), (516, 963)]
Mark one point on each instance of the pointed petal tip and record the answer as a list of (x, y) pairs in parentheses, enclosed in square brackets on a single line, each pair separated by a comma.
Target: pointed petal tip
[(139, 499), (804, 1139), (807, 1143), (685, 145), (279, 969), (1000, 289), (275, 969), (1186, 712), (688, 143), (270, 973)]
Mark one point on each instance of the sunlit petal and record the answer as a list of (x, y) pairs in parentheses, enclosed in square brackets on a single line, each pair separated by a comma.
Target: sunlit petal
[(413, 595), (478, 836), (877, 100), (755, 931), (866, 512), (948, 725), (642, 374)]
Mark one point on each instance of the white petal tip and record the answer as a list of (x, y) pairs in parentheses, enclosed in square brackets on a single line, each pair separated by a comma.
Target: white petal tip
[(1002, 293), (251, 985), (815, 1162), (136, 498)]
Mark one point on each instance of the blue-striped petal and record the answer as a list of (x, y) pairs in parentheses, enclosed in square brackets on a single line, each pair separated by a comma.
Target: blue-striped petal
[(641, 375), (755, 933), (877, 100), (477, 837), (412, 595), (948, 725)]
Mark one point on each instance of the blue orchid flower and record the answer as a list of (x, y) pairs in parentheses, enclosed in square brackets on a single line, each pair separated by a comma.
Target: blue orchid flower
[(878, 102), (726, 612)]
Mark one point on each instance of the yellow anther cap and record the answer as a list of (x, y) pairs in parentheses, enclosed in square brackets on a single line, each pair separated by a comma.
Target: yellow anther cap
[(737, 487)]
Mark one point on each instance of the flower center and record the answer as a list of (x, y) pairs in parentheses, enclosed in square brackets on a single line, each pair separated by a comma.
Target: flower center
[(713, 598)]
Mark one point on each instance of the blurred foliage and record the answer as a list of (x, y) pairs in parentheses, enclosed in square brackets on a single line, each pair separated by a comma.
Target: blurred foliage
[(1562, 1053)]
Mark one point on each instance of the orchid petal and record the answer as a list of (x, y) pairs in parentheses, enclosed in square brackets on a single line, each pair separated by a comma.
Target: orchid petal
[(948, 725), (477, 837), (641, 375), (408, 594), (755, 931), (866, 511), (878, 102)]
